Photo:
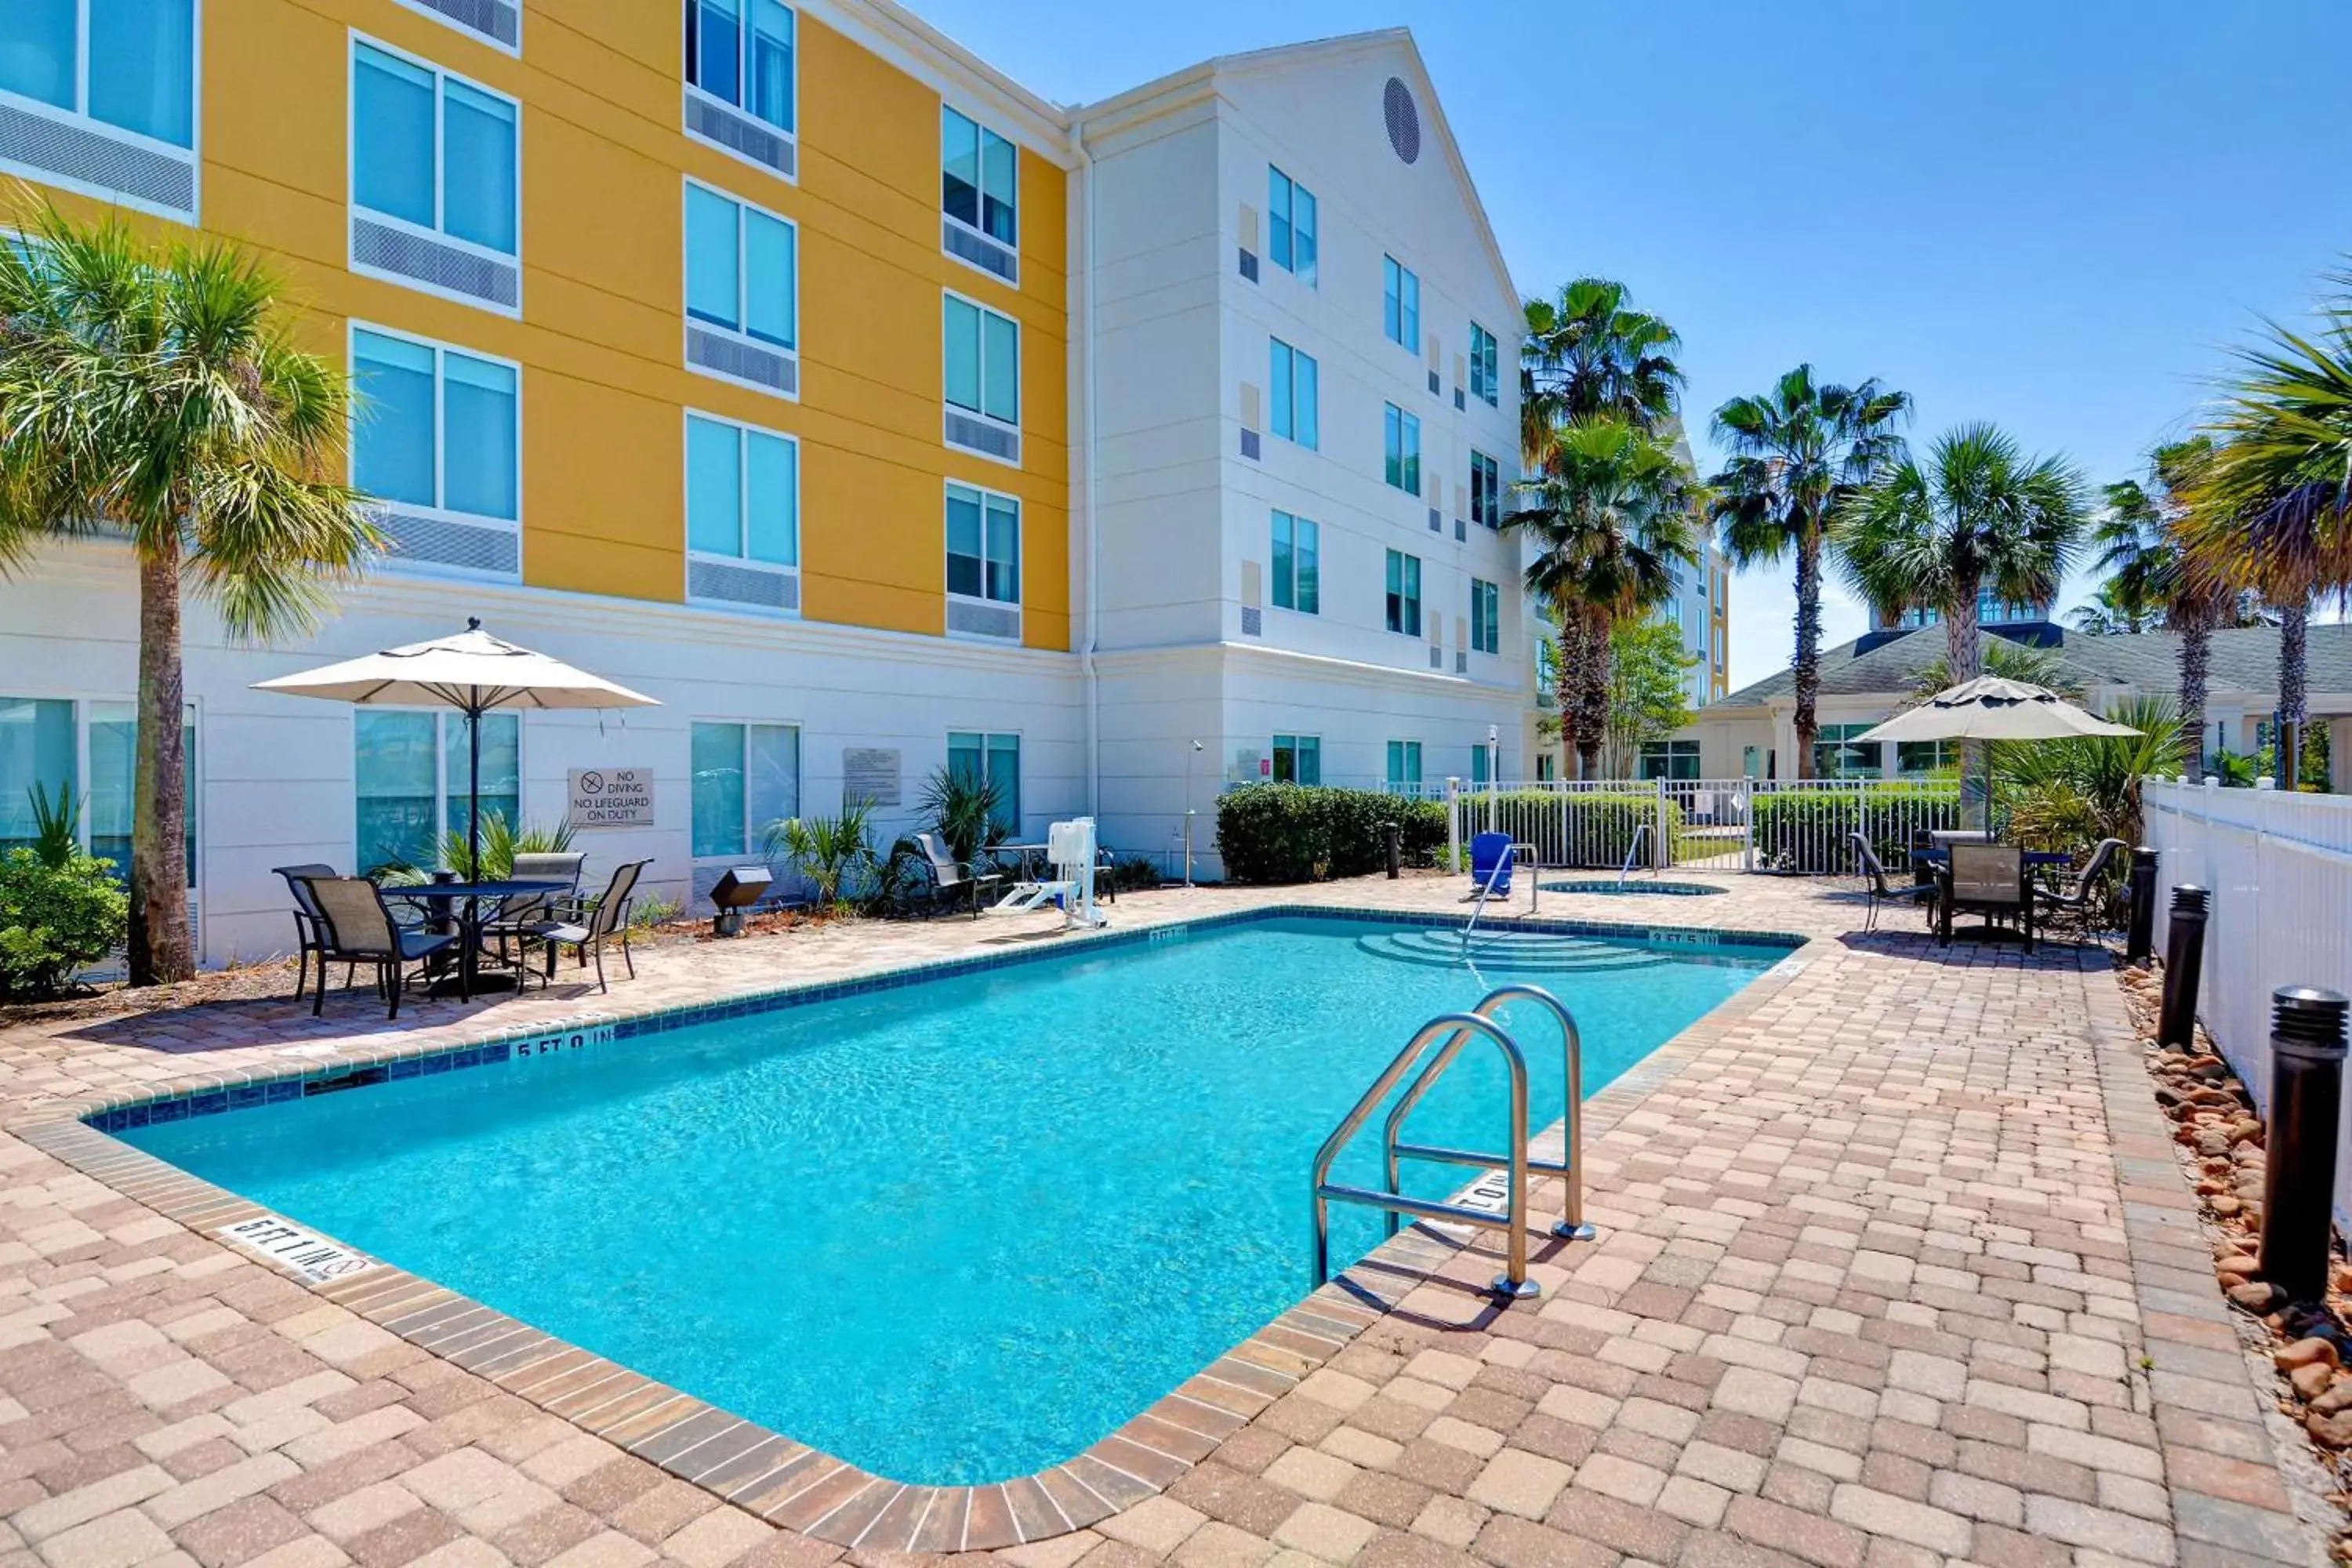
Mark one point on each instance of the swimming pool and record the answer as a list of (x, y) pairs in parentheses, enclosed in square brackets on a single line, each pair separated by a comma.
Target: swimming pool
[(953, 1231)]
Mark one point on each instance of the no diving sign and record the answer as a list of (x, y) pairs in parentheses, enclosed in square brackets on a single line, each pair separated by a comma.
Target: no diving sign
[(611, 797)]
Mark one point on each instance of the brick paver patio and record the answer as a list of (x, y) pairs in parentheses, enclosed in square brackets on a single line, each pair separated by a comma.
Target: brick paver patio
[(1896, 1267)]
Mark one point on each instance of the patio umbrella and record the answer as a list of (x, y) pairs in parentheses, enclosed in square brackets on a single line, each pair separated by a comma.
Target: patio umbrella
[(1991, 708), (471, 671)]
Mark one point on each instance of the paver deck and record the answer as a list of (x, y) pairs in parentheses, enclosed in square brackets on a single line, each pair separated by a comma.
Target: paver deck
[(1896, 1267)]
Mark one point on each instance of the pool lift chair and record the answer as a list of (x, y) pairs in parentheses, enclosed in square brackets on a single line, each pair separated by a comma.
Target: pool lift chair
[(1070, 850)]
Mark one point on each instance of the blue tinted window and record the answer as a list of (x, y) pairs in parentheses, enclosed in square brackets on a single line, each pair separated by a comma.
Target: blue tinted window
[(478, 167), (712, 290), (478, 410), (393, 445), (37, 49), (714, 488), (771, 499), (392, 136), (142, 61)]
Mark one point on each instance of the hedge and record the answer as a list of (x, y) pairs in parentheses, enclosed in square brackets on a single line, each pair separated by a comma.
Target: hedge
[(1808, 832), (1574, 828), (1301, 833)]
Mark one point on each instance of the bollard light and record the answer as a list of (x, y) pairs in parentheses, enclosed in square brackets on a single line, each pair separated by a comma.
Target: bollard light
[(1393, 837), (2139, 939), (2299, 1168), (2184, 965)]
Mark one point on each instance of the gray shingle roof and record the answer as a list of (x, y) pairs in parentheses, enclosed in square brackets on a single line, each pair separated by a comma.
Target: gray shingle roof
[(2244, 659)]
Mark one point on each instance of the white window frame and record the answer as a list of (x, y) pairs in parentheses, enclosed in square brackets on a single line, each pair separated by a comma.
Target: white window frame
[(437, 234), (1274, 582), (1021, 769), (743, 493), (1290, 410), (751, 836), (513, 50), (1021, 556), (440, 451), (83, 701), (1478, 618), (1480, 500), (1274, 745), (791, 136), (1314, 278), (1418, 606), (1479, 371), (1420, 761), (693, 324), (1020, 352), (79, 119), (444, 720), (1410, 339), (979, 124), (1408, 452)]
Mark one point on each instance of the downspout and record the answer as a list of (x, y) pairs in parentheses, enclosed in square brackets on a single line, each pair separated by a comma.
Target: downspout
[(1087, 495)]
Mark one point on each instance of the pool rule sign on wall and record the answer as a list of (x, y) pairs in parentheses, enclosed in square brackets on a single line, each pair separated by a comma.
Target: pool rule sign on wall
[(611, 797)]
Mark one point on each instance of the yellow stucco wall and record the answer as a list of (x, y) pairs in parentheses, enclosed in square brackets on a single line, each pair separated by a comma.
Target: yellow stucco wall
[(602, 336)]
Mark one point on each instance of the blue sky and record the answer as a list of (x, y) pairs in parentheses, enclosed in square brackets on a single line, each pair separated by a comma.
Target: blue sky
[(2055, 216)]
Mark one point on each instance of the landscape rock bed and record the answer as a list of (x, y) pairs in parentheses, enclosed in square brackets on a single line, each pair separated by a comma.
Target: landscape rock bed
[(2219, 1136)]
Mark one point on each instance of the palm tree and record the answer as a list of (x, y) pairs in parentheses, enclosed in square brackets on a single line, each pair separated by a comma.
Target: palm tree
[(1977, 514), (2114, 613), (157, 394), (2138, 537), (2277, 514), (1612, 512), (1796, 452), (1587, 355)]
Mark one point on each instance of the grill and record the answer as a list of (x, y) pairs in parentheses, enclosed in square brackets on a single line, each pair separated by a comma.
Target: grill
[(74, 149), (423, 260), (496, 20), (1436, 520), (487, 548), (742, 585), (1249, 265), (741, 133), (979, 436), (985, 620), (980, 250), (1250, 444), (742, 360), (1253, 621)]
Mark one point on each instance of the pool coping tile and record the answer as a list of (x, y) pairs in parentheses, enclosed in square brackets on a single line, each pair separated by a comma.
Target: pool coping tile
[(770, 1474)]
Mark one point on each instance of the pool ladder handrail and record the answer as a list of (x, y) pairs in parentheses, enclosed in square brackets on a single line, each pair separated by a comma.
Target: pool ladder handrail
[(1632, 849), (1455, 1029)]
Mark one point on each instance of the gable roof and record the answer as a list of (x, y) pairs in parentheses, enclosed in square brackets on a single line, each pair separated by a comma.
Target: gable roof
[(2245, 658)]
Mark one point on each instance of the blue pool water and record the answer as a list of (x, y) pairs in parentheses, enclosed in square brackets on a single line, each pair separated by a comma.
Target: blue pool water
[(956, 1231)]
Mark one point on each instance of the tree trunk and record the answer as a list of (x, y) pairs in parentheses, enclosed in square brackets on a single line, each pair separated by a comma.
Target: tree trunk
[(160, 949), (1563, 687), (1964, 658), (2196, 667), (1808, 668), (2294, 622), (1593, 694)]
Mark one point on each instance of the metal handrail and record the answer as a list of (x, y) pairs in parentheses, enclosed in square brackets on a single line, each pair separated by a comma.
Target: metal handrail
[(1570, 1168), (1630, 851), (1499, 867), (1513, 1284)]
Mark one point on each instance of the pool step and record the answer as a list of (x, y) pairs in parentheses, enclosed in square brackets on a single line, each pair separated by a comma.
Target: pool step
[(1529, 952)]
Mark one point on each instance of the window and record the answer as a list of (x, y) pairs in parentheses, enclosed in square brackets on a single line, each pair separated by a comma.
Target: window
[(983, 360), (979, 176), (743, 494), (1290, 220), (1485, 617), (742, 272), (1480, 765), (1400, 304), (436, 428), (742, 61), (1669, 759), (1401, 442), (1837, 754), (1297, 564), (1486, 366), (997, 759), (1485, 490), (126, 68), (43, 743), (1404, 592), (411, 775), (983, 545), (747, 778), (1546, 765), (1297, 759), (1405, 765), (1926, 756), (1292, 377), (433, 153)]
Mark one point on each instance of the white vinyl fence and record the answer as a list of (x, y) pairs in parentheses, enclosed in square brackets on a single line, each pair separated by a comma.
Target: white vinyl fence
[(1801, 827), (2279, 870)]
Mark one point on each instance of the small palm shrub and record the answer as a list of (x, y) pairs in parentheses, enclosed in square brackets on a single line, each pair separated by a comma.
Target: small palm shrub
[(836, 854), (500, 845), (56, 920), (964, 808)]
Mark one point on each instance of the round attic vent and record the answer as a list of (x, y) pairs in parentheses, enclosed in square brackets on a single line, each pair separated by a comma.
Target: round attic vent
[(1404, 120)]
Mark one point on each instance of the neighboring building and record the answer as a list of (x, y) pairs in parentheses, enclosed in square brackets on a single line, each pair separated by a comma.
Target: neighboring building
[(750, 363), (1752, 733)]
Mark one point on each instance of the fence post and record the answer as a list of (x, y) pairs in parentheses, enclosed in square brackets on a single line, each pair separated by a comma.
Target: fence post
[(1747, 824), (1453, 824), (1661, 856)]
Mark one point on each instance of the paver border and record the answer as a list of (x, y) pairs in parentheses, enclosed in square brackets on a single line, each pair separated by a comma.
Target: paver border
[(789, 1483)]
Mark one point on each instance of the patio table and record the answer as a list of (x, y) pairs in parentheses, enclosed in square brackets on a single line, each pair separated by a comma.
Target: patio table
[(1940, 861), (468, 903)]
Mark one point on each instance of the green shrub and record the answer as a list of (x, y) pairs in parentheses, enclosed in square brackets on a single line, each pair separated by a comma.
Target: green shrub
[(1133, 873), (1303, 833), (1806, 832), (56, 921), (1573, 827)]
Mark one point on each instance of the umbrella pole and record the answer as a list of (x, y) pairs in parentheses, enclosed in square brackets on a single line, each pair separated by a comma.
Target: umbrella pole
[(473, 790)]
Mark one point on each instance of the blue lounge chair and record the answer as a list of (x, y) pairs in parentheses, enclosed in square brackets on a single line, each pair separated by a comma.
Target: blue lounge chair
[(1490, 856)]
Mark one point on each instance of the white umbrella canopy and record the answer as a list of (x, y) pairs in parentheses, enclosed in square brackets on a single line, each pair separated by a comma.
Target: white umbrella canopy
[(1991, 708), (471, 671)]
